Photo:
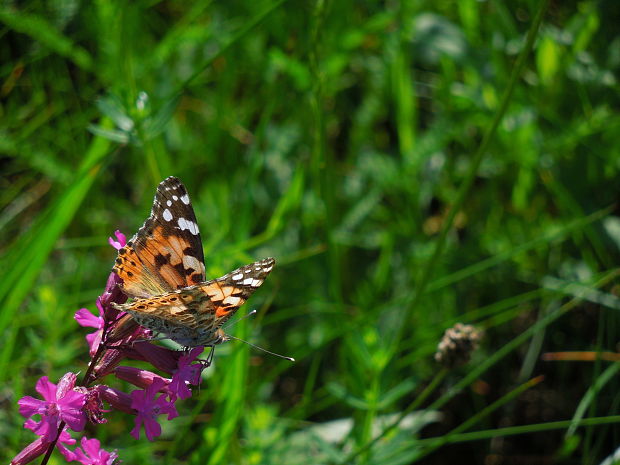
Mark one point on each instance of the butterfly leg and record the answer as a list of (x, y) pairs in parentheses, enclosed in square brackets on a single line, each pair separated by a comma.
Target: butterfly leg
[(210, 356)]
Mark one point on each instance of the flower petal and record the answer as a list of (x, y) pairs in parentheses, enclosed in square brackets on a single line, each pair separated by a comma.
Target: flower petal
[(157, 385), (72, 399), (66, 453), (29, 406), (47, 428), (120, 242), (46, 388), (75, 420), (93, 340), (31, 424), (135, 432), (139, 400), (65, 385), (65, 437), (152, 429), (90, 446), (84, 317)]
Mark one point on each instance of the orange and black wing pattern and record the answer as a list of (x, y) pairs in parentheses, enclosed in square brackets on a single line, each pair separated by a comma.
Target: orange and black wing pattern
[(166, 253)]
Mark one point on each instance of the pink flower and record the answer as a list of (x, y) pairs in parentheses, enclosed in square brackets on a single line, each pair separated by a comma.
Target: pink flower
[(93, 405), (61, 403), (117, 399), (120, 242), (91, 453), (149, 407), (161, 358), (122, 348), (85, 318), (112, 293), (186, 373), (139, 377), (39, 447)]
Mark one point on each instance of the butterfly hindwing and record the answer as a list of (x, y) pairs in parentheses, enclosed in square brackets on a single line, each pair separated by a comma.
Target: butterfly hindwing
[(230, 292), (166, 252)]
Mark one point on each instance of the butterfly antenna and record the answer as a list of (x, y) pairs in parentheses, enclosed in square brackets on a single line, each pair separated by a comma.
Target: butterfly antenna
[(291, 359), (253, 312)]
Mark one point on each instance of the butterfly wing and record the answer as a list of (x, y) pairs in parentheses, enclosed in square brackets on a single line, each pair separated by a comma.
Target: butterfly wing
[(166, 253), (228, 293), (193, 315)]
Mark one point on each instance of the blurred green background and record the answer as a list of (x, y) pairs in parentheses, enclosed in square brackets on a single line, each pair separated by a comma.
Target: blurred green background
[(410, 165)]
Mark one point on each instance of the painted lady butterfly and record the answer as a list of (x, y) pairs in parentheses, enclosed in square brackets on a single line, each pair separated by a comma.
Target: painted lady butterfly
[(162, 268)]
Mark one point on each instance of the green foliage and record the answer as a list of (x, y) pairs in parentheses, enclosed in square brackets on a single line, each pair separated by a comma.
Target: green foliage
[(409, 164)]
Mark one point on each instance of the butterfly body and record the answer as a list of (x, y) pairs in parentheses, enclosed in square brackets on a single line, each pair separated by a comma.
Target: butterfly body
[(162, 268)]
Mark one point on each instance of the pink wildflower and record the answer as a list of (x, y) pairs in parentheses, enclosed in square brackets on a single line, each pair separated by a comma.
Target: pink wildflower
[(120, 242), (122, 348), (91, 453), (93, 405), (160, 357), (117, 399), (139, 377), (85, 318), (39, 447), (186, 373), (112, 292), (149, 407), (61, 403)]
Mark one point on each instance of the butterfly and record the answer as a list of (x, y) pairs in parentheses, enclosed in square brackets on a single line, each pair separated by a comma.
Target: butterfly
[(162, 268)]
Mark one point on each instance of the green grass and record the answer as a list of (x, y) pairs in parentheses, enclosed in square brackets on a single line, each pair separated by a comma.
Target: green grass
[(409, 165)]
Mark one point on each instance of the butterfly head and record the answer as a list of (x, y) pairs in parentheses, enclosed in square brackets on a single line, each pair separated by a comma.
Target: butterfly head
[(220, 336)]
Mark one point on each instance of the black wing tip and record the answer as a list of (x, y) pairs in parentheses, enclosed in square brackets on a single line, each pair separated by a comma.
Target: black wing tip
[(262, 267), (170, 181), (171, 185)]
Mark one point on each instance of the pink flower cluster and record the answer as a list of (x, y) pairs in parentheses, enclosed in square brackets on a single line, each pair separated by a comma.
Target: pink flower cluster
[(69, 405)]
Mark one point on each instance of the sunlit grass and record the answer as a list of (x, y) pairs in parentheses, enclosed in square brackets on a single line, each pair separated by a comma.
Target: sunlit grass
[(409, 165)]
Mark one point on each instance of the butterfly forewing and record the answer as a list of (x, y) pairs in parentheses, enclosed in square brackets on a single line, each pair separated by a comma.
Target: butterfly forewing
[(166, 252)]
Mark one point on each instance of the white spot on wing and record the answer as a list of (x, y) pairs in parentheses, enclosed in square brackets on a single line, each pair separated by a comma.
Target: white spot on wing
[(167, 215), (232, 300), (175, 198), (189, 225), (257, 282), (237, 277), (191, 262), (185, 199), (169, 203), (248, 281)]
